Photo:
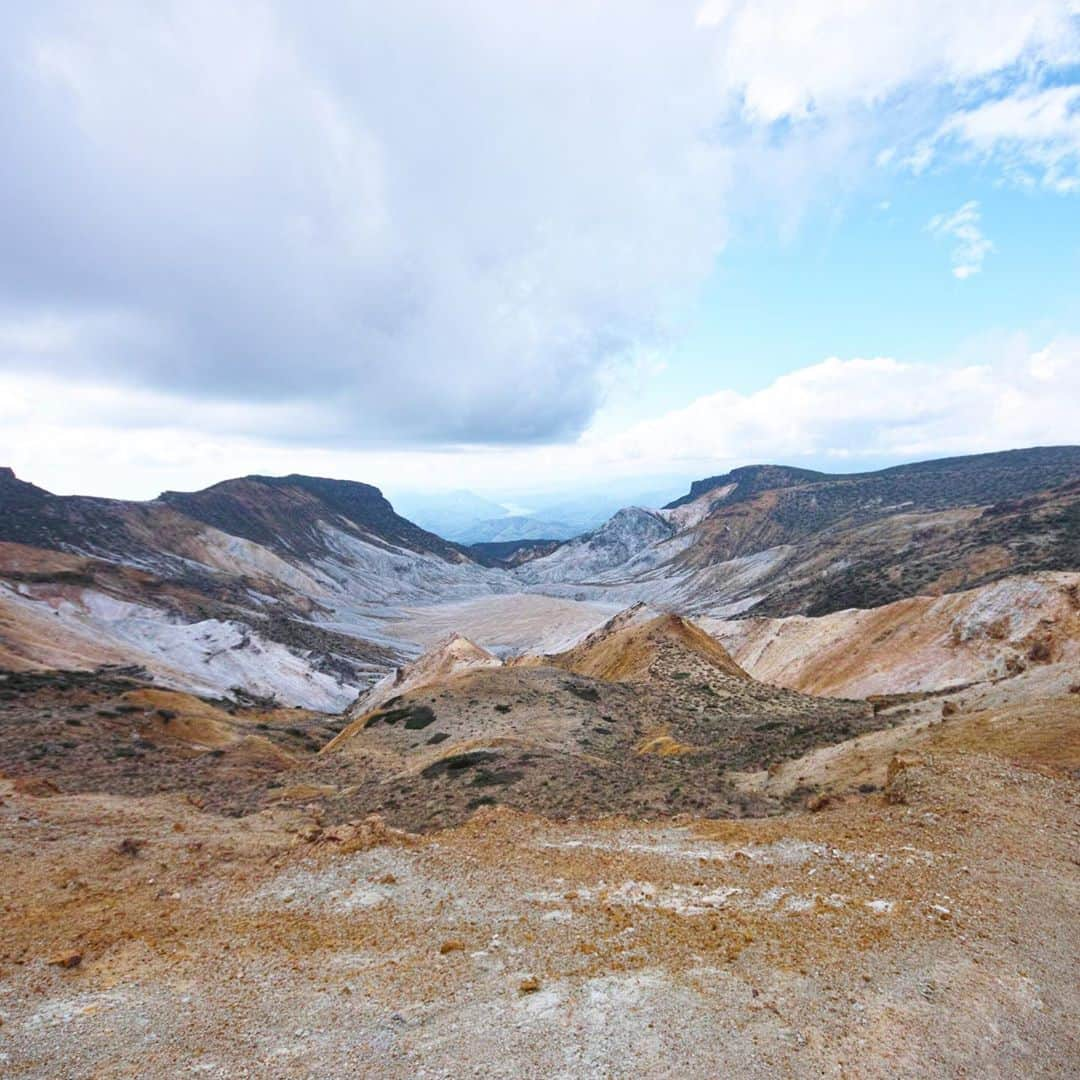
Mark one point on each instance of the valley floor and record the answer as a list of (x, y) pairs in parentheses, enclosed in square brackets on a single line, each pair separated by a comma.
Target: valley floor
[(925, 929)]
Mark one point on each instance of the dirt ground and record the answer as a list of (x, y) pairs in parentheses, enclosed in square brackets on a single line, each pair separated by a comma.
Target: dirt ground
[(929, 929)]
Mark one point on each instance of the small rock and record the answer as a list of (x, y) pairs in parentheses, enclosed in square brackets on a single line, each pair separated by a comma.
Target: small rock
[(901, 761), (899, 785), (36, 786), (70, 959), (453, 945), (529, 985)]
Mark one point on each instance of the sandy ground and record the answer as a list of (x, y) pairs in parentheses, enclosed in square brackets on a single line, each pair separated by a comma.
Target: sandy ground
[(926, 931), (506, 625)]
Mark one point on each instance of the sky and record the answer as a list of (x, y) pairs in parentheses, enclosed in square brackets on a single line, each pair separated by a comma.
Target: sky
[(535, 247)]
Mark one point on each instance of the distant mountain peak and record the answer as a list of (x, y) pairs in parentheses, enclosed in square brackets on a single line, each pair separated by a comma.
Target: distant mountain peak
[(288, 512)]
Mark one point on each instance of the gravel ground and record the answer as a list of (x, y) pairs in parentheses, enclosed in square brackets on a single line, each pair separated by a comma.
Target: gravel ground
[(926, 931)]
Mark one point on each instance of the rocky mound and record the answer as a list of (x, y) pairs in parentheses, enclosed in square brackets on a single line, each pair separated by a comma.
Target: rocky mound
[(638, 645), (646, 716), (455, 655)]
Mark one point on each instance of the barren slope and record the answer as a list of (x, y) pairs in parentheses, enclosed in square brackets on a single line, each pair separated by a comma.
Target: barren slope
[(646, 716), (292, 601), (639, 644), (779, 541), (924, 643)]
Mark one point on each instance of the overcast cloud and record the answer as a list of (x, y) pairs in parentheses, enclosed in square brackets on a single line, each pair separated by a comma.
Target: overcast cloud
[(421, 224), (433, 221)]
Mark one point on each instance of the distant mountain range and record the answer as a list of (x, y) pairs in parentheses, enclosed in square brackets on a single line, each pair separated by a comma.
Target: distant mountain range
[(292, 587), (467, 518)]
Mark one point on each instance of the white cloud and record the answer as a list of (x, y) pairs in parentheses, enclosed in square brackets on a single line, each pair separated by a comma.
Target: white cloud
[(879, 408), (972, 246), (1034, 134), (428, 223), (848, 411), (796, 58), (385, 224)]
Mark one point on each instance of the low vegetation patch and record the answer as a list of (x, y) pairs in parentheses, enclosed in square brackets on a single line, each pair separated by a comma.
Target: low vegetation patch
[(412, 717), (458, 763)]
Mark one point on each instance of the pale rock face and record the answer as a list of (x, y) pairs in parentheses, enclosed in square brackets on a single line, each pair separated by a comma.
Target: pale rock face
[(209, 656), (1025, 625), (614, 544), (691, 514)]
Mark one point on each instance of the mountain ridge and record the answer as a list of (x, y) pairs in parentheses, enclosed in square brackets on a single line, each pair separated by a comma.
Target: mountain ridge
[(206, 588), (750, 480), (226, 505)]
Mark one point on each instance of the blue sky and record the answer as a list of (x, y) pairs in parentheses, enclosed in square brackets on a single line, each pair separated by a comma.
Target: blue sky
[(866, 278), (591, 246)]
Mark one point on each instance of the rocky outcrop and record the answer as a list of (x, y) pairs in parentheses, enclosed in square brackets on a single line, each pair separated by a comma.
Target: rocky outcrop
[(454, 655), (615, 544)]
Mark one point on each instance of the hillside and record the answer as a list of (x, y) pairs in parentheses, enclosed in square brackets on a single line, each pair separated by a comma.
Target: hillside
[(936, 484), (275, 586), (312, 589), (774, 541), (292, 513), (998, 631), (648, 714)]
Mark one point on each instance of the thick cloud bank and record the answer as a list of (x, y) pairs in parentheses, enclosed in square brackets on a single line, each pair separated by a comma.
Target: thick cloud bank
[(414, 222), (430, 223)]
